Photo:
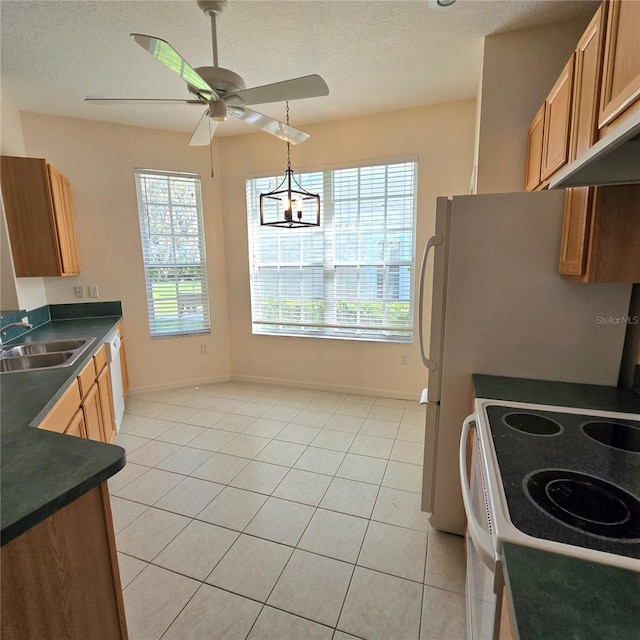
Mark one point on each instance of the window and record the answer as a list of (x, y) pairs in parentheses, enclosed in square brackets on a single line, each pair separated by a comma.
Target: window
[(173, 249), (352, 277)]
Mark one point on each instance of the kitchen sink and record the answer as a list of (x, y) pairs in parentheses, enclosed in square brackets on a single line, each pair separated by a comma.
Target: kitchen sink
[(42, 355), (33, 348)]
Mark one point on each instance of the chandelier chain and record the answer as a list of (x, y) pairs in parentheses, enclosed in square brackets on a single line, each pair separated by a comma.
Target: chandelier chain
[(288, 144)]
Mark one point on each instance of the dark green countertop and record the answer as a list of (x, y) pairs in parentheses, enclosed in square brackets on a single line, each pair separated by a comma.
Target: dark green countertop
[(42, 471), (555, 597), (561, 394)]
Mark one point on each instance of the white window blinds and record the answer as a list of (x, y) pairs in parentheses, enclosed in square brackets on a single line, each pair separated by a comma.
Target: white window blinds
[(173, 248), (353, 276)]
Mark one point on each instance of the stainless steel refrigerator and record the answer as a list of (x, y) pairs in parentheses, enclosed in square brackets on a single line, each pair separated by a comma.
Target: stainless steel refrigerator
[(499, 307)]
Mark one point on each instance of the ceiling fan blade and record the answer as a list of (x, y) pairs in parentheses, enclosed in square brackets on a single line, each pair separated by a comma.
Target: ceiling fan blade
[(204, 131), (312, 86), (270, 125), (162, 51), (97, 100)]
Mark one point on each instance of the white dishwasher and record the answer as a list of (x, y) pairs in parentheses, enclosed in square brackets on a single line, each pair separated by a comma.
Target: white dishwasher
[(113, 343)]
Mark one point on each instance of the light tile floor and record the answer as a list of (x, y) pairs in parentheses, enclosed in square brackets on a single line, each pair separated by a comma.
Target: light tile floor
[(259, 512)]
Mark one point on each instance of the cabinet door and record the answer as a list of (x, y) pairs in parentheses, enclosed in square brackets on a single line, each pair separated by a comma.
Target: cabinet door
[(614, 242), (92, 415), (63, 411), (65, 226), (586, 87), (557, 120), (28, 207), (87, 377), (123, 364), (534, 150), (106, 403), (621, 72), (575, 231), (76, 426)]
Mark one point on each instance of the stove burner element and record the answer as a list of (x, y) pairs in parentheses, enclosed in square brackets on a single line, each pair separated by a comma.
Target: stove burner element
[(614, 434), (532, 424), (585, 503)]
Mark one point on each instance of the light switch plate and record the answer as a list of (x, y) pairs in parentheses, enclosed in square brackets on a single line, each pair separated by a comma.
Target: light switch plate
[(93, 291)]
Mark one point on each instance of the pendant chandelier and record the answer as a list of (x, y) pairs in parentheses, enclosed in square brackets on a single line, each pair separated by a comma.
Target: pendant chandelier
[(289, 205)]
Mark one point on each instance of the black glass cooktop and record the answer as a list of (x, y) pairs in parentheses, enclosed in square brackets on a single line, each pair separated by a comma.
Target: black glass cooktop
[(570, 478)]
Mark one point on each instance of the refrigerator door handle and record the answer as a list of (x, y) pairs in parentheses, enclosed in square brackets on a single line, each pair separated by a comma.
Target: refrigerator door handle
[(433, 241)]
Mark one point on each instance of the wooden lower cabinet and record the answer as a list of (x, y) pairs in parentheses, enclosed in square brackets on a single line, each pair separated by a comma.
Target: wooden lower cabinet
[(77, 426), (85, 409), (601, 234), (93, 414), (506, 624), (104, 392), (64, 410), (60, 579), (123, 364)]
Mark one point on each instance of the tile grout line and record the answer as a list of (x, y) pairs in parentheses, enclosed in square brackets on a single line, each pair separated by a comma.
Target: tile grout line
[(271, 494)]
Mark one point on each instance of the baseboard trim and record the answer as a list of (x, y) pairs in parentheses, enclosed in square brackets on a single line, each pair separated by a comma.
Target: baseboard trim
[(196, 382), (335, 388)]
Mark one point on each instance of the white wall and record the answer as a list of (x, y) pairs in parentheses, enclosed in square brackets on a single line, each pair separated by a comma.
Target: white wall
[(442, 138), (99, 159), (519, 69), (23, 293)]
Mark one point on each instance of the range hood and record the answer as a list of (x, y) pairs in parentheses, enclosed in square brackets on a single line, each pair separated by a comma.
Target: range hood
[(613, 160)]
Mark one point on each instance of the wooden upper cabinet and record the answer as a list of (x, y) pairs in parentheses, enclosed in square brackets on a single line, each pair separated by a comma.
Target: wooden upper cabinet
[(575, 231), (620, 93), (63, 212), (586, 87), (614, 240), (555, 141), (601, 236), (534, 150), (40, 219)]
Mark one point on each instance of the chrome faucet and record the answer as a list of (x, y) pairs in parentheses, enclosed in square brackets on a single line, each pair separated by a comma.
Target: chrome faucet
[(3, 330)]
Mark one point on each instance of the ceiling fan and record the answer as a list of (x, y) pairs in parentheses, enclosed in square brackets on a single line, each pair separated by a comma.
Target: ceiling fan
[(222, 91)]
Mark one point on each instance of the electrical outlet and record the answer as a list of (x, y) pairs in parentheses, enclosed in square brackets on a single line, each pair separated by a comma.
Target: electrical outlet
[(93, 291), (79, 291), (204, 349), (405, 359)]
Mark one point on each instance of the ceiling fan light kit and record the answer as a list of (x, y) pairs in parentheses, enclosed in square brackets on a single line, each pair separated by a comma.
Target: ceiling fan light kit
[(223, 91), (289, 205)]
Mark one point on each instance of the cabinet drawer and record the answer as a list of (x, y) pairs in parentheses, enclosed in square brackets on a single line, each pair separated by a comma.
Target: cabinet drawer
[(87, 377), (100, 358), (62, 414)]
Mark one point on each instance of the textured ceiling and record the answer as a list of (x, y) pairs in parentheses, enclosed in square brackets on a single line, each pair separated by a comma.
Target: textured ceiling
[(375, 55)]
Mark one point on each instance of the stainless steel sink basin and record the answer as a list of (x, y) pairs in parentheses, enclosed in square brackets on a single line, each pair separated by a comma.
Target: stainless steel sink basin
[(42, 355), (33, 348), (39, 361)]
